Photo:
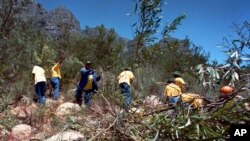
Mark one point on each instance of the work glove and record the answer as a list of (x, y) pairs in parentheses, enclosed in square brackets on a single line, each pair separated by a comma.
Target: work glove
[(95, 91)]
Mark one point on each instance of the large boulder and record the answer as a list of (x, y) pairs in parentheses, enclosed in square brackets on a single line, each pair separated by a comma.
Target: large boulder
[(67, 136), (50, 102), (67, 109), (24, 111), (21, 132)]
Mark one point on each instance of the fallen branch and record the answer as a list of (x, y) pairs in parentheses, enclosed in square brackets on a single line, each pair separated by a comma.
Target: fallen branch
[(111, 110), (159, 111), (101, 132), (128, 137)]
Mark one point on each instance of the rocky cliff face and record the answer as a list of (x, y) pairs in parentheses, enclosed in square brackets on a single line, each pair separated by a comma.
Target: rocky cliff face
[(54, 23), (59, 21)]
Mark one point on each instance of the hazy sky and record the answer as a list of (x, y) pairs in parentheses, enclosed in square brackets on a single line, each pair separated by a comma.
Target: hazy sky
[(207, 21)]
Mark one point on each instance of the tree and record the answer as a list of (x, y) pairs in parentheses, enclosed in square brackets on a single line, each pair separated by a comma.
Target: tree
[(237, 50)]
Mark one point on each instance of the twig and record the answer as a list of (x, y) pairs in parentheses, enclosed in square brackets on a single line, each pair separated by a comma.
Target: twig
[(125, 135), (111, 110), (100, 111), (159, 111), (104, 129)]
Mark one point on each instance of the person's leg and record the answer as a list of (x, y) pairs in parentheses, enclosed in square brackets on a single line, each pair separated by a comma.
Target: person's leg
[(87, 98), (37, 93), (78, 96), (173, 100), (122, 88), (127, 96), (40, 89), (55, 84), (43, 90), (52, 87)]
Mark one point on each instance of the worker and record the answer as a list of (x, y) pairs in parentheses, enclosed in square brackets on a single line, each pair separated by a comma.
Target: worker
[(125, 80), (40, 83), (55, 78), (87, 84), (172, 92)]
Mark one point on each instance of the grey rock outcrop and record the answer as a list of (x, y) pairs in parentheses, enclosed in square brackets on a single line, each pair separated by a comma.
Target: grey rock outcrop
[(54, 23)]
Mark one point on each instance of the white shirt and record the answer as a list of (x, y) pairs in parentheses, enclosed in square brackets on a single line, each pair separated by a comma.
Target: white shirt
[(39, 74)]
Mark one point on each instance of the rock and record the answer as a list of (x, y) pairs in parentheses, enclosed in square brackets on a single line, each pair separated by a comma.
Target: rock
[(67, 109), (21, 132), (239, 98), (247, 106), (61, 99), (3, 132), (152, 101), (136, 110), (57, 20), (50, 102), (24, 111), (67, 136), (39, 136)]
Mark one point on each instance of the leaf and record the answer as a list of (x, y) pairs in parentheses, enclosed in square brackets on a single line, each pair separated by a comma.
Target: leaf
[(234, 54), (173, 25), (198, 130), (198, 66), (226, 73), (156, 136), (136, 5), (236, 75), (187, 124), (236, 64), (245, 59), (134, 24), (225, 66)]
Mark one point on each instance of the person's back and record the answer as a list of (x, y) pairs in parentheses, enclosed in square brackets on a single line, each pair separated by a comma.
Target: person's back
[(55, 71), (126, 76), (194, 100), (172, 90), (85, 72), (39, 73)]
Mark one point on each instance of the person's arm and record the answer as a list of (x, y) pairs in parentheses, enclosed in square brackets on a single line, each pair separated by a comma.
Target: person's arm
[(165, 92), (56, 66), (33, 78), (132, 77), (78, 77), (33, 75), (61, 60)]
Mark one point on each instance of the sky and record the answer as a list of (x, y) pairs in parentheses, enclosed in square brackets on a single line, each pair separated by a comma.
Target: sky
[(206, 23)]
